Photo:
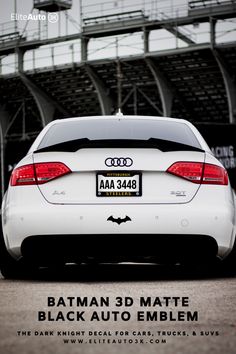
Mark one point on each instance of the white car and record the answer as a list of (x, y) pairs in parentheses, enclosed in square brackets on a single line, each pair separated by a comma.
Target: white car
[(117, 188)]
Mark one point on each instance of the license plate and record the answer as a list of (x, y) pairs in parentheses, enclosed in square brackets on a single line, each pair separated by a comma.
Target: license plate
[(119, 184)]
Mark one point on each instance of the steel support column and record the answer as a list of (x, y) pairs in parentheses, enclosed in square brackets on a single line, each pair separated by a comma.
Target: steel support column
[(146, 34), (4, 122), (106, 103), (20, 59), (84, 48), (164, 89), (229, 85), (212, 31)]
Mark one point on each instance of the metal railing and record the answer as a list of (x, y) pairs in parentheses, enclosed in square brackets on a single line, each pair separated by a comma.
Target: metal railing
[(7, 27), (69, 53), (154, 9), (208, 3), (128, 15), (110, 47)]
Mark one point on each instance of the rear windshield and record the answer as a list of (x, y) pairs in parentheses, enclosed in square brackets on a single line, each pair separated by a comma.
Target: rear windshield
[(119, 129)]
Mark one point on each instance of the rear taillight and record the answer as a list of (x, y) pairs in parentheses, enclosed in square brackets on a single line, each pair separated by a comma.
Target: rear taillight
[(213, 174), (23, 175), (201, 173), (38, 173), (188, 170)]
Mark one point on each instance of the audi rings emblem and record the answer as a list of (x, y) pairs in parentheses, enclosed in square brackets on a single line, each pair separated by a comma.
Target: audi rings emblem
[(119, 162)]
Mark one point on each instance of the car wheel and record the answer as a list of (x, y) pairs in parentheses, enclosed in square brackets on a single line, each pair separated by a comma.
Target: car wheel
[(228, 265), (11, 268)]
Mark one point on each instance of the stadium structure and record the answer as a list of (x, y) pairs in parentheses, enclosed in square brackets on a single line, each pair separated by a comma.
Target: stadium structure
[(195, 79)]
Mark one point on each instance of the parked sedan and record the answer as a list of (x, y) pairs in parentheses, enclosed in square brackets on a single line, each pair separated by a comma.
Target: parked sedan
[(114, 189)]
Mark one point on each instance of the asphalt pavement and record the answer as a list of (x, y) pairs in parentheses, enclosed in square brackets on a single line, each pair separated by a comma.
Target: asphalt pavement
[(119, 309)]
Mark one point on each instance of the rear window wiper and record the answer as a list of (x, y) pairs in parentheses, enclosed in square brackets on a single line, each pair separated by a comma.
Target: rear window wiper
[(160, 144)]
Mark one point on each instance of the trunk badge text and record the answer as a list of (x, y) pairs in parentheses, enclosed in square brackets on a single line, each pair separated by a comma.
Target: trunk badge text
[(178, 193), (59, 193)]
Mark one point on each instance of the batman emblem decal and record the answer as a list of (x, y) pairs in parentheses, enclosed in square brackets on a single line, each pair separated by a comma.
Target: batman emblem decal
[(119, 220)]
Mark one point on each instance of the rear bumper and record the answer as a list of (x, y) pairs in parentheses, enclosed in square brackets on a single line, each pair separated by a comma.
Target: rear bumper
[(119, 247), (208, 215)]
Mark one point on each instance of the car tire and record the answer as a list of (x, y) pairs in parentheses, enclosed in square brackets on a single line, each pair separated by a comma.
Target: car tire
[(228, 265), (10, 267)]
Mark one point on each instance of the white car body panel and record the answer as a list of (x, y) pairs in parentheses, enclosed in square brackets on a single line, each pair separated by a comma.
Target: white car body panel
[(69, 205)]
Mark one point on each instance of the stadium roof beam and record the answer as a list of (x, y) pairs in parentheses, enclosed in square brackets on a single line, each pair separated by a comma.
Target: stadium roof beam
[(106, 103), (163, 86), (149, 100), (46, 108), (167, 93), (179, 34), (52, 5), (46, 104), (229, 86), (210, 7)]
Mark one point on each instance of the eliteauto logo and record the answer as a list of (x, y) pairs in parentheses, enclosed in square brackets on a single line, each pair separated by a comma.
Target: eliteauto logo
[(52, 17)]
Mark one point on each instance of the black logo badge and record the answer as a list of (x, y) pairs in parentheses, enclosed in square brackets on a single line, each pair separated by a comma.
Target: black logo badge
[(119, 162), (118, 220)]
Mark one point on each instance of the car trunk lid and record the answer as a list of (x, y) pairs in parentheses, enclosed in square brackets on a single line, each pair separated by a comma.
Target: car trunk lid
[(90, 166)]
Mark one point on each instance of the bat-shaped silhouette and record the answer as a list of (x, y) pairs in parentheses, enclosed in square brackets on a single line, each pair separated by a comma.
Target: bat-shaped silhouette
[(119, 220)]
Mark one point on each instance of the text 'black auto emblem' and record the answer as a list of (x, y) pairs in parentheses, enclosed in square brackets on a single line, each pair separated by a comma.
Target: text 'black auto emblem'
[(119, 220), (119, 162)]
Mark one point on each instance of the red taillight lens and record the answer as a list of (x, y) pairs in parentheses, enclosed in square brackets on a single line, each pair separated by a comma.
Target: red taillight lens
[(198, 172), (188, 170), (23, 175), (213, 174), (38, 173), (47, 171)]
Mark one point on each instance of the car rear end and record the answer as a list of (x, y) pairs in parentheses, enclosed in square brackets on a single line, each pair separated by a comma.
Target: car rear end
[(119, 191)]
